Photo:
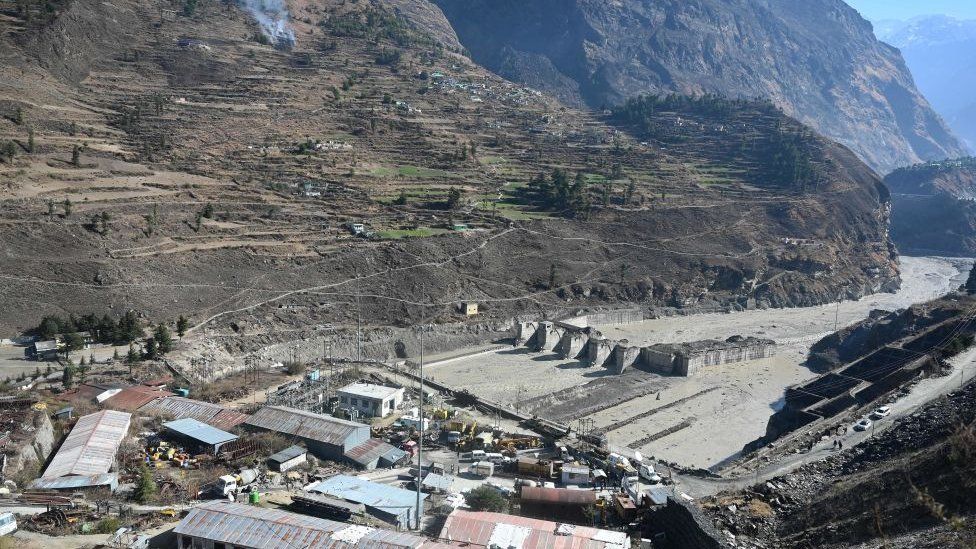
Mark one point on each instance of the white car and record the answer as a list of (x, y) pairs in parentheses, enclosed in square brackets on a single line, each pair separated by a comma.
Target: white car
[(863, 425), (881, 412)]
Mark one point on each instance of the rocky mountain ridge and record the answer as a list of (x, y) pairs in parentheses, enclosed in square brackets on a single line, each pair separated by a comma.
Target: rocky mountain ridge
[(818, 60)]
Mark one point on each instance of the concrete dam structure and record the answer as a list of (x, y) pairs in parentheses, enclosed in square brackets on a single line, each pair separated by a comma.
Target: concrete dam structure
[(675, 359)]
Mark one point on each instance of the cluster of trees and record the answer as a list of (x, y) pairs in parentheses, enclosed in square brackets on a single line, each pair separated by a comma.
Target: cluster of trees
[(105, 329), (639, 111), (388, 57), (784, 157), (557, 192), (375, 23)]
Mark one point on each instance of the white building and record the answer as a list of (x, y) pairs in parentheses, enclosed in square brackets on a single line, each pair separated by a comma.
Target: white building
[(369, 400)]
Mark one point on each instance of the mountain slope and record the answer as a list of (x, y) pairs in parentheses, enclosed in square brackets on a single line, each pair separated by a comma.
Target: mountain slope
[(939, 51), (181, 164), (818, 60), (934, 207)]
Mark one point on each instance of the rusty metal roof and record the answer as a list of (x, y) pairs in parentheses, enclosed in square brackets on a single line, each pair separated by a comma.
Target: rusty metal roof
[(368, 452), (559, 496), (91, 446), (180, 407), (259, 528), (132, 398), (486, 529), (307, 425)]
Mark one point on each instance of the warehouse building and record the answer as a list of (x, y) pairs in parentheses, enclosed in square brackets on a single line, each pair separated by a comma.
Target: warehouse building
[(289, 458), (201, 437), (88, 453), (176, 407), (325, 437), (370, 400), (387, 503), (226, 525), (560, 504)]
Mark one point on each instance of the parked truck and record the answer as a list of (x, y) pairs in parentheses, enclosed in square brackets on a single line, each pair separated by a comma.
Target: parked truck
[(482, 469), (228, 486)]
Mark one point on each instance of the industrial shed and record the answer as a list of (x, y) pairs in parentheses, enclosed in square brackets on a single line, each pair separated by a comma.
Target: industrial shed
[(482, 529), (75, 483), (325, 437), (289, 458), (375, 453), (224, 524), (202, 437), (90, 448), (387, 503), (557, 503), (177, 407), (133, 398)]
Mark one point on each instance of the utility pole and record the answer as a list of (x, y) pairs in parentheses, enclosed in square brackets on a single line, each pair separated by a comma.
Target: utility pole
[(420, 443)]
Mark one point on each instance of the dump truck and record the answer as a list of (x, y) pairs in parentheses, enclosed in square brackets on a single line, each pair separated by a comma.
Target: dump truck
[(535, 467)]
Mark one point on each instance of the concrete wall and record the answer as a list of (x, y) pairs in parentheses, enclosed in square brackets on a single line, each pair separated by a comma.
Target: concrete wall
[(524, 332), (624, 356), (547, 336), (572, 344), (690, 364), (658, 361), (622, 316), (598, 349)]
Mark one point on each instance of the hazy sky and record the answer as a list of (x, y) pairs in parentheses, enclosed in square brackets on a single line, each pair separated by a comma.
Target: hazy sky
[(905, 9)]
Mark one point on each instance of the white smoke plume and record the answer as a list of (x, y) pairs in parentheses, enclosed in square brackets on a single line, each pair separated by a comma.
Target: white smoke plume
[(272, 17)]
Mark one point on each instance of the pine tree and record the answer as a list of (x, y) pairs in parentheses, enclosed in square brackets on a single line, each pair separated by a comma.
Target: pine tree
[(146, 485), (68, 376), (30, 140), (76, 156), (150, 349), (181, 325), (163, 339), (67, 207)]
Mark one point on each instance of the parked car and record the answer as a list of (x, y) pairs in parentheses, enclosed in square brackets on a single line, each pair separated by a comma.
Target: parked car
[(880, 413), (863, 425), (648, 473)]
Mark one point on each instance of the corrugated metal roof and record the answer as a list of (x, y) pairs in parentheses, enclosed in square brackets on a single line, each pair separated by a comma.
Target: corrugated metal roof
[(91, 446), (132, 398), (199, 431), (438, 482), (75, 481), (308, 425), (260, 528), (391, 499), (180, 407), (288, 453), (49, 345), (478, 528), (560, 496), (393, 456), (576, 469), (372, 450)]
